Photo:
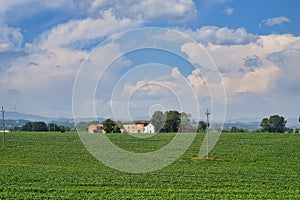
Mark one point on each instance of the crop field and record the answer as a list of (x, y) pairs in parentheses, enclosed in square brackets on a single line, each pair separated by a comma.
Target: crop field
[(57, 166)]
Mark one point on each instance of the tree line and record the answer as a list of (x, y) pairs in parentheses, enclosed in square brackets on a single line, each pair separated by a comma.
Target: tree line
[(174, 121), (42, 127)]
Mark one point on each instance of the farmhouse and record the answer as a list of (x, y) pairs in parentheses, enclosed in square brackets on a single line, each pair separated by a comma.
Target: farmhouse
[(96, 128), (139, 126)]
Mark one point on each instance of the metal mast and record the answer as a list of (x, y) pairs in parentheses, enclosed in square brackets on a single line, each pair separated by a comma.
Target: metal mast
[(207, 127), (3, 126)]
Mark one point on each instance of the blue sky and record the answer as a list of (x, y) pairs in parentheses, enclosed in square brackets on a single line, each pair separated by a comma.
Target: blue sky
[(254, 44)]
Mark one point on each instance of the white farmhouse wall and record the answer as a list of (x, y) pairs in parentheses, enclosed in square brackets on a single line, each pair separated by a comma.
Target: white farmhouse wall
[(149, 128)]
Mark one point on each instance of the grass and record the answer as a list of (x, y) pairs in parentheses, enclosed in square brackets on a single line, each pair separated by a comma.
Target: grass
[(57, 166)]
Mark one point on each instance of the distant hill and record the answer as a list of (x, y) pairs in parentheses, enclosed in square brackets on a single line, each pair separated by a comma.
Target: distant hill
[(13, 119), (245, 120), (19, 119), (29, 117), (252, 123), (11, 123), (250, 126)]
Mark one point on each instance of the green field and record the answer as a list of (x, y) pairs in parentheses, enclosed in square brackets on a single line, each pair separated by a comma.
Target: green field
[(57, 166)]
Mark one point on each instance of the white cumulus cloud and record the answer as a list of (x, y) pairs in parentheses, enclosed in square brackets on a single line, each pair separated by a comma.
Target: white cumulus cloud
[(228, 11), (221, 36), (77, 32), (275, 21), (275, 53)]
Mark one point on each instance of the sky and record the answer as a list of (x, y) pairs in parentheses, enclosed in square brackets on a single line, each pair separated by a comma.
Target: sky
[(126, 59)]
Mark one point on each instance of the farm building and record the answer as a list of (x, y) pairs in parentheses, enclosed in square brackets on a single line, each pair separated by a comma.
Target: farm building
[(188, 129), (149, 128), (96, 128), (140, 126)]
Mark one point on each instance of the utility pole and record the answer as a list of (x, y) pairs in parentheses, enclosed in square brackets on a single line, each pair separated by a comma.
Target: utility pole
[(3, 126), (207, 127)]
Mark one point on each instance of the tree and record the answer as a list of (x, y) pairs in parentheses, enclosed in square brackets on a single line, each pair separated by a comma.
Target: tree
[(109, 126), (275, 123), (27, 127), (53, 127), (185, 120), (158, 120), (172, 121), (82, 127), (62, 129), (202, 126), (265, 124), (39, 127), (234, 129), (118, 127), (35, 126)]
